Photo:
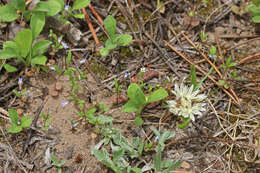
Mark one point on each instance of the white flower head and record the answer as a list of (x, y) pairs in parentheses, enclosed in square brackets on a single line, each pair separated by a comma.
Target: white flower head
[(187, 103)]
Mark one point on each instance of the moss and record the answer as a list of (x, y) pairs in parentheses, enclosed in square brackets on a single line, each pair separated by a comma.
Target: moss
[(207, 9), (98, 69)]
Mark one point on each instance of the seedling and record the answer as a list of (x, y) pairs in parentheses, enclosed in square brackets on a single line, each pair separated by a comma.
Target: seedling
[(114, 40), (68, 12), (121, 150), (255, 9), (57, 163), (138, 100), (20, 93), (165, 166), (18, 124), (46, 123), (118, 88)]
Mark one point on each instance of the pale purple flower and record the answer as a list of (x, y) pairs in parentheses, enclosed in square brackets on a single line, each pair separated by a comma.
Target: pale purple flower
[(156, 138), (127, 74), (64, 45), (82, 61), (75, 124), (64, 103), (66, 7), (20, 81)]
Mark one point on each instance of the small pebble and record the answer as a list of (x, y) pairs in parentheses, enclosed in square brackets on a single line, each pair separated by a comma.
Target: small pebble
[(58, 86), (185, 165)]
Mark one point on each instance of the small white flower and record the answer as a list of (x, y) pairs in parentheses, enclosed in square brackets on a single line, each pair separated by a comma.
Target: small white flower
[(52, 68), (188, 102), (59, 39), (82, 61), (143, 69)]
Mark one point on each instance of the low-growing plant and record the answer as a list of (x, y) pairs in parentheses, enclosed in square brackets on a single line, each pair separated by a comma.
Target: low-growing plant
[(57, 163), (255, 9), (138, 100), (160, 166), (46, 119), (121, 151), (114, 39), (18, 124)]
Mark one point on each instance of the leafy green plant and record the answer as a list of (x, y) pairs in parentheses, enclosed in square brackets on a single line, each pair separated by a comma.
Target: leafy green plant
[(138, 100), (203, 36), (158, 165), (121, 151), (92, 116), (255, 9), (114, 40), (46, 123), (70, 12), (20, 93), (18, 124), (57, 163)]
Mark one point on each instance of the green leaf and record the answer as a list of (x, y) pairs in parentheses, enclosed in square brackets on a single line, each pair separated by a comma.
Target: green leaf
[(37, 23), (139, 121), (54, 159), (136, 94), (157, 95), (130, 107), (172, 166), (39, 60), (68, 58), (213, 50), (40, 47), (256, 19), (19, 5), (14, 128), (10, 68), (110, 45), (157, 161), (13, 116), (51, 7), (79, 4), (124, 40), (104, 51), (26, 121), (256, 2), (136, 170), (8, 13), (79, 16), (254, 9), (110, 25), (7, 53), (23, 44), (193, 76), (185, 123)]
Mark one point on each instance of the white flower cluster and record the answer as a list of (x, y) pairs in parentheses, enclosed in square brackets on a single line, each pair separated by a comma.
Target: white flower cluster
[(187, 103)]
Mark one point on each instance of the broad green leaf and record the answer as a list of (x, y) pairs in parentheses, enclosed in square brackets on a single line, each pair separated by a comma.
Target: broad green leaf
[(185, 123), (213, 50), (13, 116), (157, 161), (79, 4), (157, 95), (79, 16), (139, 121), (130, 107), (55, 7), (54, 159), (256, 2), (61, 2), (136, 94), (40, 47), (193, 76), (118, 154), (110, 25), (7, 53), (254, 9), (39, 60), (14, 128), (228, 61), (10, 68), (8, 13), (37, 23), (26, 121), (19, 5), (104, 51), (110, 45), (124, 40), (256, 19), (51, 7), (24, 41)]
